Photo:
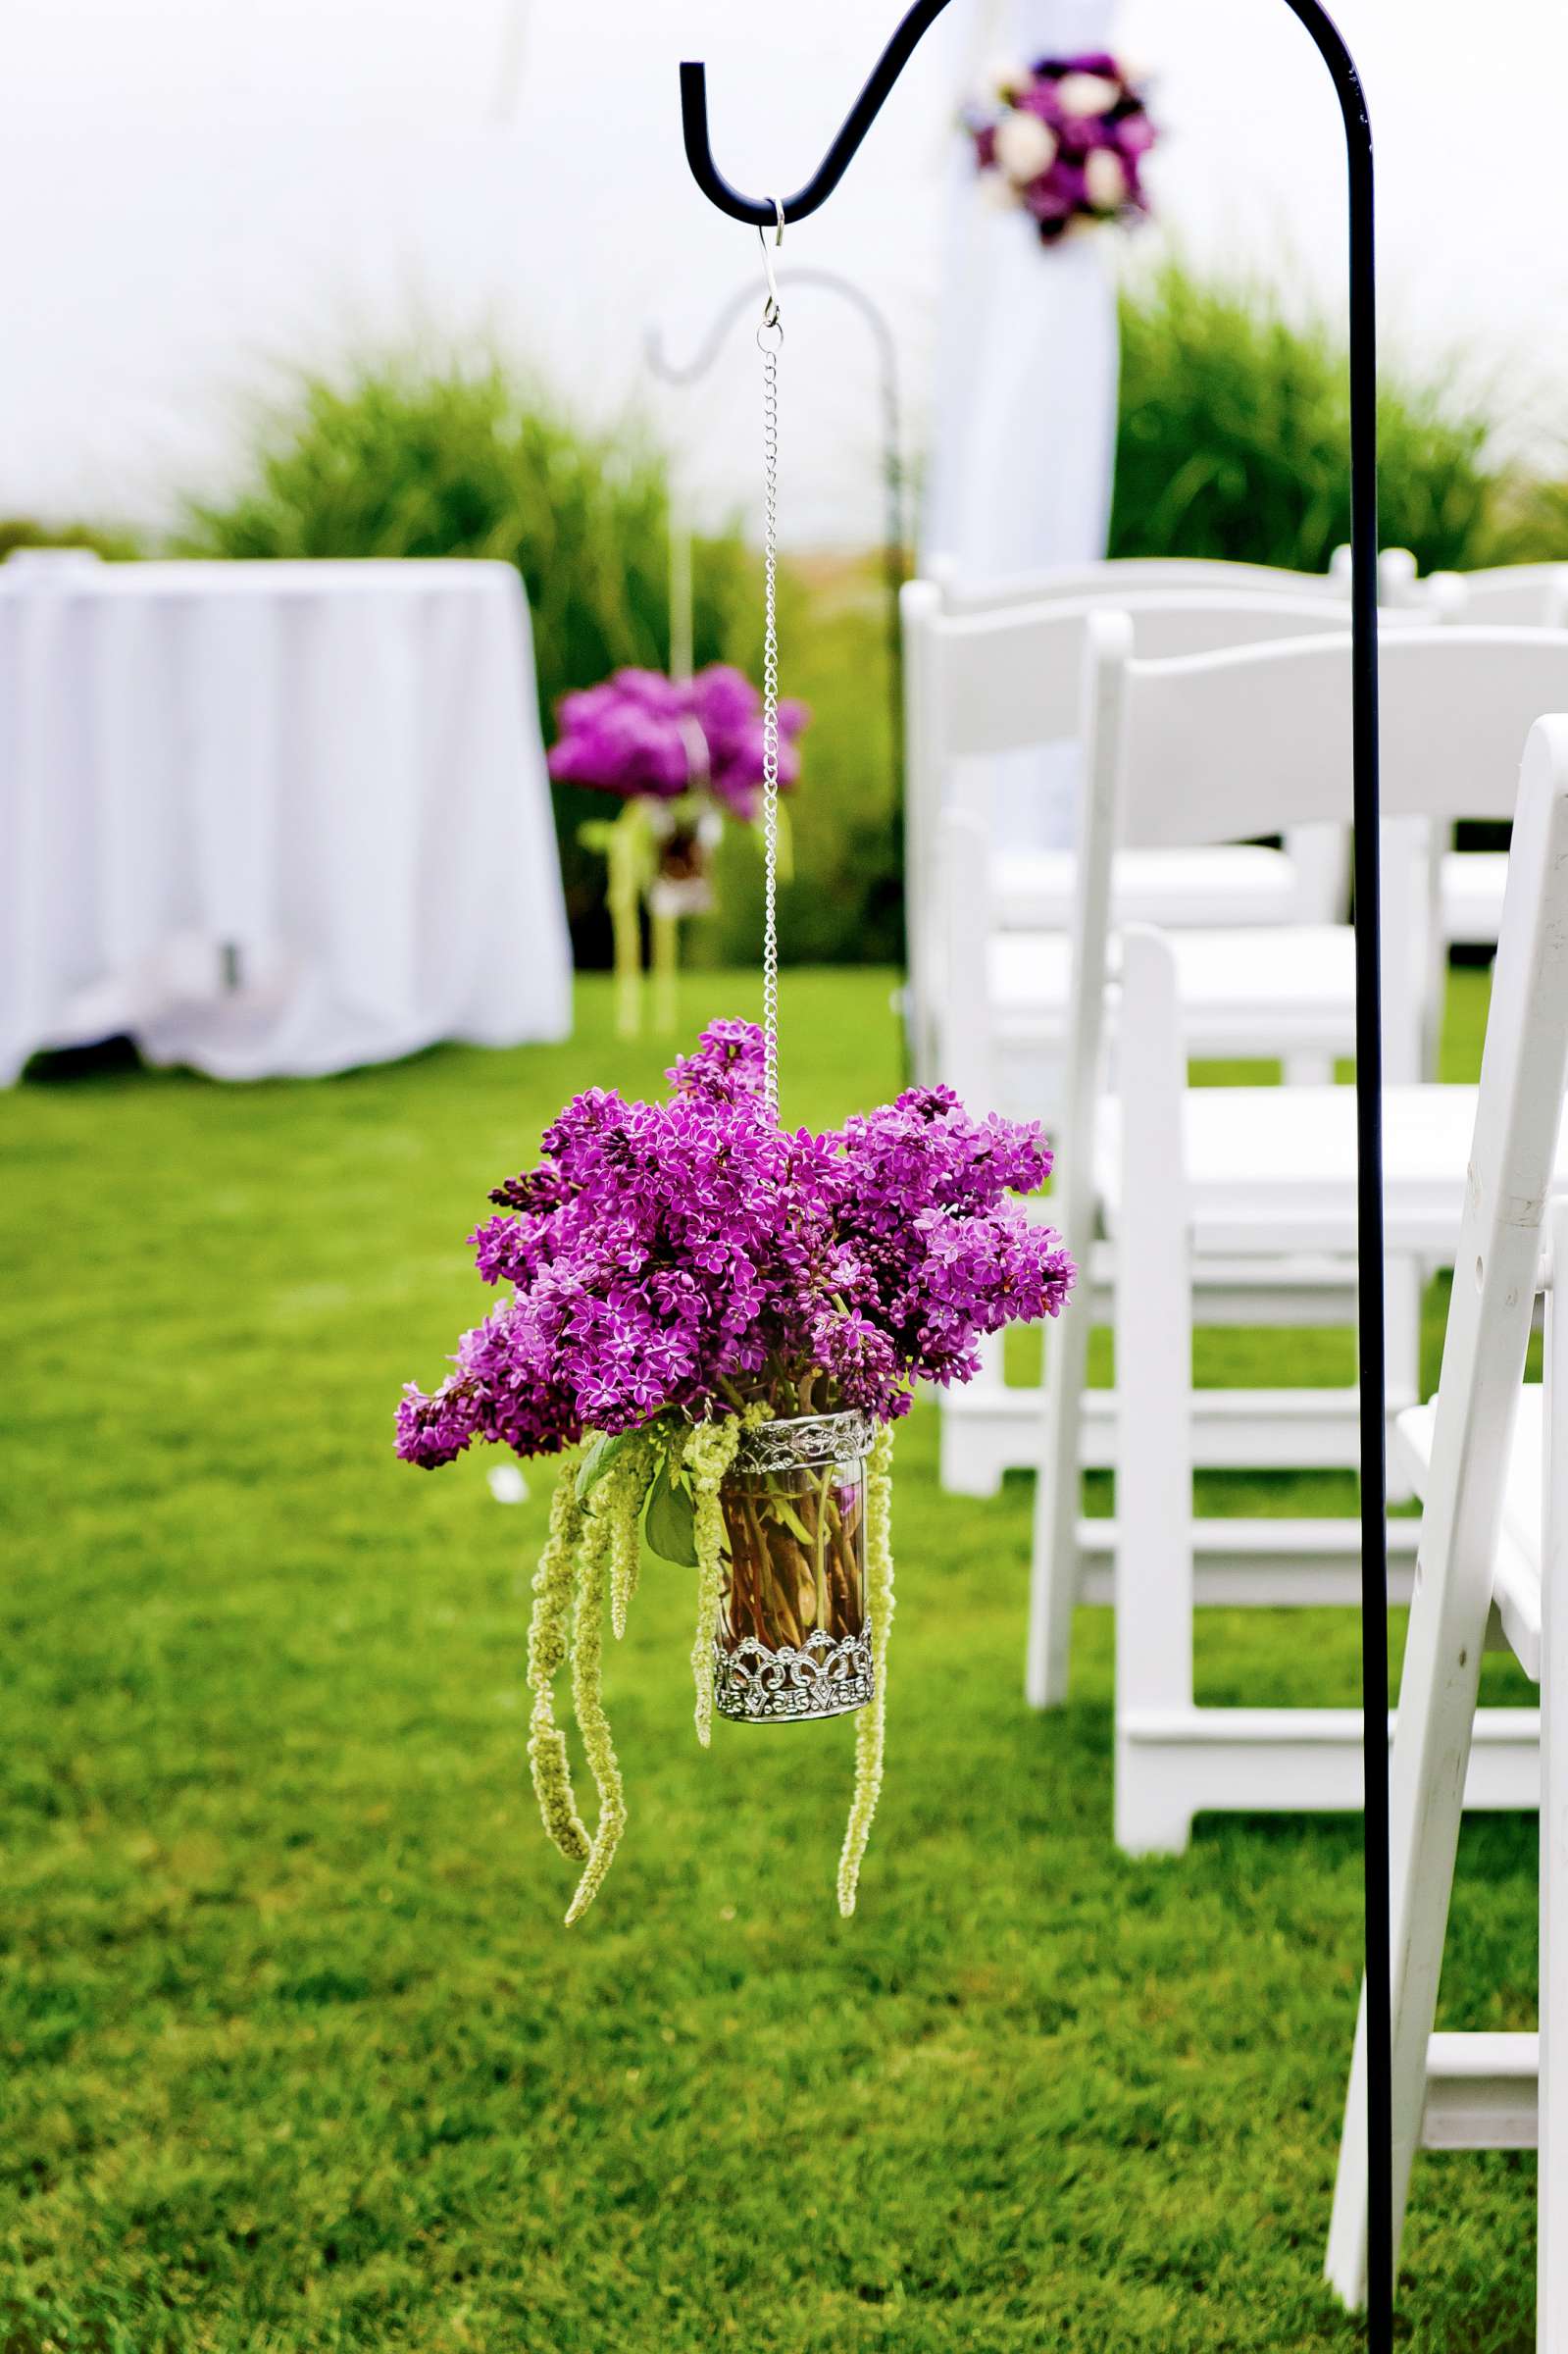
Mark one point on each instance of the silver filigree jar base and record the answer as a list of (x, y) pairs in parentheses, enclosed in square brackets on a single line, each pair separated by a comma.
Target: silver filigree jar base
[(794, 1640)]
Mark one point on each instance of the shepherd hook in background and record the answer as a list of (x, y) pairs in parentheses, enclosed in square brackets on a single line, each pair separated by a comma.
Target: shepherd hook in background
[(765, 212), (895, 534)]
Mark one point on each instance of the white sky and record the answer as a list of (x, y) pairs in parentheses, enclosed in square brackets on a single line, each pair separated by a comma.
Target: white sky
[(197, 191)]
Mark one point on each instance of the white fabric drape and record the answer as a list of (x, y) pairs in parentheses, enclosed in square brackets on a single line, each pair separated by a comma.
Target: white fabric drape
[(1025, 431), (333, 770)]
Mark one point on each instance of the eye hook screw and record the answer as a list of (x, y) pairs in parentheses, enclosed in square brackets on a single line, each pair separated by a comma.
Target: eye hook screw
[(770, 310)]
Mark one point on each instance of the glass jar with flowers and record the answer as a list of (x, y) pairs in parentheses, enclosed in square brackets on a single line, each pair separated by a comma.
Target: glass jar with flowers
[(715, 1323)]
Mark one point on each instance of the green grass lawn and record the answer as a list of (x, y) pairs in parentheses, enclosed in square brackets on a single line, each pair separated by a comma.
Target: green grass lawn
[(296, 2053)]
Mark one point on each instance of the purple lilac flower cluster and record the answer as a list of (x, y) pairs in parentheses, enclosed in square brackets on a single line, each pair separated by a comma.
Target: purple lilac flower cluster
[(691, 1257), (1066, 139), (641, 735)]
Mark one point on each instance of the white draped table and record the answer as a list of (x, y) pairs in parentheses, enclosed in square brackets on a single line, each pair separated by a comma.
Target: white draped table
[(272, 819)]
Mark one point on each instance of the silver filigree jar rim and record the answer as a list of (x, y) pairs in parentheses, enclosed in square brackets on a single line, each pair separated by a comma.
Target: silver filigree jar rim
[(753, 1684), (800, 1440)]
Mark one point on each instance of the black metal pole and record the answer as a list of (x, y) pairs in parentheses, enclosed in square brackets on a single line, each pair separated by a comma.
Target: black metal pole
[(764, 212), (1369, 1165)]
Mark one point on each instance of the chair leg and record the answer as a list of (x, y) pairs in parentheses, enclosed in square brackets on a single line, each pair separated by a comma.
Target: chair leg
[(1153, 1580), (1058, 1500), (1153, 1584), (1551, 2184), (1431, 1755), (1346, 2265), (1437, 1696)]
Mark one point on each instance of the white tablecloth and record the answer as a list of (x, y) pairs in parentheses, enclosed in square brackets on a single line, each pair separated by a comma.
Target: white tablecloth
[(325, 779)]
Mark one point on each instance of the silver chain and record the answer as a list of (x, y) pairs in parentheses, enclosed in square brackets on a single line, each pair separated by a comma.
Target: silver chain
[(769, 341), (770, 718)]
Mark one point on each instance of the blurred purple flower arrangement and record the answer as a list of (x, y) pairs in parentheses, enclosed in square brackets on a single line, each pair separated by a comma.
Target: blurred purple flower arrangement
[(688, 1277), (680, 754), (1065, 140), (642, 735)]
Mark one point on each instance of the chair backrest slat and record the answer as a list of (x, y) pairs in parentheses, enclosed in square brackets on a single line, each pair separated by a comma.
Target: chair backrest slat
[(1007, 680), (1118, 577), (1011, 679), (1256, 739), (1127, 576), (1530, 596)]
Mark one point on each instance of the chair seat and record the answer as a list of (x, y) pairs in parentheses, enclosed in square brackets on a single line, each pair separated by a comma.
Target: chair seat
[(1248, 993), (1274, 1168), (1516, 1569), (1178, 890), (1471, 884)]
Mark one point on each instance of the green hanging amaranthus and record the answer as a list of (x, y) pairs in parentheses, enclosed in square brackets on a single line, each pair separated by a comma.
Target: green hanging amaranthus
[(871, 1725), (664, 1483)]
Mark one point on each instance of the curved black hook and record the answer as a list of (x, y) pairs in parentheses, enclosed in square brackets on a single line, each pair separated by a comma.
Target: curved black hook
[(759, 210)]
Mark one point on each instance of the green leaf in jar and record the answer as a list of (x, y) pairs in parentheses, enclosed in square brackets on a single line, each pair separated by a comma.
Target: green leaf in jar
[(600, 1456), (670, 1523)]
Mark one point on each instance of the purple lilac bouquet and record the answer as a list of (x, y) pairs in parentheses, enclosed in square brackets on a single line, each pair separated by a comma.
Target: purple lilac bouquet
[(692, 1259), (1066, 139), (689, 1278), (641, 736)]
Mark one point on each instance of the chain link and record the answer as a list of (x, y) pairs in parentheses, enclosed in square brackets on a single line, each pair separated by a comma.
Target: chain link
[(770, 337)]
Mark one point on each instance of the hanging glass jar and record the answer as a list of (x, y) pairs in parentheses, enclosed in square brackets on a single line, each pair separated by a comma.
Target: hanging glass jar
[(792, 1638), (684, 841)]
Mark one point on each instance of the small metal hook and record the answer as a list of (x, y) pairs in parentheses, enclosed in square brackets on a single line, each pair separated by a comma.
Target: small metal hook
[(770, 311)]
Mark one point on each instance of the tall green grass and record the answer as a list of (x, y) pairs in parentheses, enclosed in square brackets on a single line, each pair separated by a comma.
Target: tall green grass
[(1529, 518), (1235, 424)]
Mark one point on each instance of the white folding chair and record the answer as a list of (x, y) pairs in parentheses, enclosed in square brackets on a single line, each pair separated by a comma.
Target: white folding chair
[(1246, 1177), (1221, 603), (998, 997), (1235, 1183), (1491, 1461), (1010, 681), (994, 683), (1021, 1003), (1310, 881)]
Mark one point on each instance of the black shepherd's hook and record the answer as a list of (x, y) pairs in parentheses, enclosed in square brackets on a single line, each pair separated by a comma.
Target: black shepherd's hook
[(764, 213), (831, 171)]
